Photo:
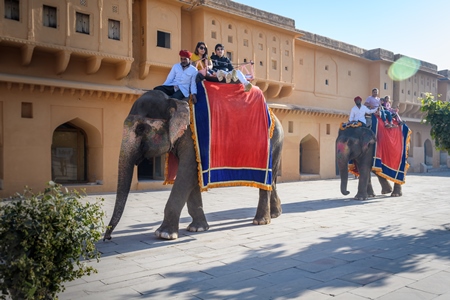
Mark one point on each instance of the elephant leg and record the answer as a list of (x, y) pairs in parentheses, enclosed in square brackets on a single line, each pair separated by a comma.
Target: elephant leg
[(363, 184), (362, 189), (169, 227), (183, 189), (195, 209), (397, 190), (262, 216), (370, 192), (386, 187), (275, 203)]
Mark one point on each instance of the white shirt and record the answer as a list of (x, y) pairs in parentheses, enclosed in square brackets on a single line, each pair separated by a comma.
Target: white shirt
[(184, 79), (359, 113)]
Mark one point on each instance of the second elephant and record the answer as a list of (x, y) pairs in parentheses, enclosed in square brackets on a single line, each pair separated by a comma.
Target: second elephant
[(358, 145)]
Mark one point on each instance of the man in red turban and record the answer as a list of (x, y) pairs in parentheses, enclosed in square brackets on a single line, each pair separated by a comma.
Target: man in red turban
[(180, 82), (185, 54), (358, 112)]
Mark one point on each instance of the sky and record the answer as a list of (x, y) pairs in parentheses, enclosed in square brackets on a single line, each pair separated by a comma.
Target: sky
[(415, 28)]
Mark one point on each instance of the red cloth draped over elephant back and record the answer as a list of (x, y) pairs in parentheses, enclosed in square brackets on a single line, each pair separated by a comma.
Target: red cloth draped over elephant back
[(391, 151), (231, 129)]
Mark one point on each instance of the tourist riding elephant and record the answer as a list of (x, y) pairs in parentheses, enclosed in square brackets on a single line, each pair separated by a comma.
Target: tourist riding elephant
[(358, 144), (156, 125)]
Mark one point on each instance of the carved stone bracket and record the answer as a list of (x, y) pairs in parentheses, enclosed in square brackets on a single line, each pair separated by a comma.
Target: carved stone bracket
[(273, 90), (93, 64), (62, 60), (144, 69), (123, 68), (26, 52)]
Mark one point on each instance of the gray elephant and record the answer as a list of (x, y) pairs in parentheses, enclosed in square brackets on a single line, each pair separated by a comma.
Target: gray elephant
[(358, 144), (156, 125)]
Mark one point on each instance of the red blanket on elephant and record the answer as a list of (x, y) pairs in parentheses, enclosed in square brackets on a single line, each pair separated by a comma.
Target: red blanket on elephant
[(391, 151), (231, 130)]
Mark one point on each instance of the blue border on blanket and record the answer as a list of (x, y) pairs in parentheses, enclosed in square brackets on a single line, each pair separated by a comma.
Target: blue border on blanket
[(223, 176), (390, 173)]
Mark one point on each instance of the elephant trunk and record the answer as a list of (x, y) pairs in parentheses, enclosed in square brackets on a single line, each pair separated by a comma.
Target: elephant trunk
[(127, 159), (344, 180), (342, 157)]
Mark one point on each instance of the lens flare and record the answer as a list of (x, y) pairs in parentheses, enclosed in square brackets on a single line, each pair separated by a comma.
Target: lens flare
[(403, 68)]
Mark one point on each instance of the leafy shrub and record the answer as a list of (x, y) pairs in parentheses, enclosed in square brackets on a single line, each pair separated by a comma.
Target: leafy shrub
[(45, 240), (437, 114)]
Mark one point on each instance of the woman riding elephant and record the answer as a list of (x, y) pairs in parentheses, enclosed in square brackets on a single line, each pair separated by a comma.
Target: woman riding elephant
[(357, 144), (156, 125)]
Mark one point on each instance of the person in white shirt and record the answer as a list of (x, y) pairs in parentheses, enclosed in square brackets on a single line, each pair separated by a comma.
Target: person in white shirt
[(180, 82), (358, 112)]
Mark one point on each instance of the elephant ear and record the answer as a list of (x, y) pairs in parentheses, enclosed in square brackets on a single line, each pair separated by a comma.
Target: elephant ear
[(367, 139), (179, 119)]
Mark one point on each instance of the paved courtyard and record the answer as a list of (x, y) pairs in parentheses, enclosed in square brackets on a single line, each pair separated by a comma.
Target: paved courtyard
[(324, 246)]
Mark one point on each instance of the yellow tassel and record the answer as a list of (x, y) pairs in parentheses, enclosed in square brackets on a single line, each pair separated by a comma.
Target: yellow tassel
[(272, 122)]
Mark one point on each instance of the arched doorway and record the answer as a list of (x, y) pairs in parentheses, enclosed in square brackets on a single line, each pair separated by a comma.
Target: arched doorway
[(428, 152), (69, 159), (309, 156)]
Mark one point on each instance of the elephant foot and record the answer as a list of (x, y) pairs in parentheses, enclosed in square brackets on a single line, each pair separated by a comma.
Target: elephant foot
[(397, 191), (274, 215), (396, 194), (261, 221), (198, 226), (275, 212), (361, 197), (386, 191), (166, 234)]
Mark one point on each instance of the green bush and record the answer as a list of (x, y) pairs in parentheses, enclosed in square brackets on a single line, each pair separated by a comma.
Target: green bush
[(46, 239), (437, 114)]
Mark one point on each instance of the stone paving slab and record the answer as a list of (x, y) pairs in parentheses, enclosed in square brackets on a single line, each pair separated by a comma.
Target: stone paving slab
[(323, 246)]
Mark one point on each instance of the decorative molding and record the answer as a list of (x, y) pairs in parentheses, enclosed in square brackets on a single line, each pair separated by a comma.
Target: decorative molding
[(82, 89), (63, 55)]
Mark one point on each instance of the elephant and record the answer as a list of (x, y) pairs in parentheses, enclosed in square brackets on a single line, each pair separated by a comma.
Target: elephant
[(157, 124), (358, 144)]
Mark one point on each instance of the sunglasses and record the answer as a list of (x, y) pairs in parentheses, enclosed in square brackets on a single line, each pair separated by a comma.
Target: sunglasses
[(219, 49), (202, 48)]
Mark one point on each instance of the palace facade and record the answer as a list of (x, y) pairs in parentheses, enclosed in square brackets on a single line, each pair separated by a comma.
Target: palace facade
[(70, 71)]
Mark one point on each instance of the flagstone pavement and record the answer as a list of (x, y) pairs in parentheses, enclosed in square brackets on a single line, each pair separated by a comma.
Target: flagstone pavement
[(324, 246)]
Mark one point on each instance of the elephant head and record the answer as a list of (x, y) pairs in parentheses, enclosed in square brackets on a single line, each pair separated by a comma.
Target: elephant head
[(151, 128), (354, 144)]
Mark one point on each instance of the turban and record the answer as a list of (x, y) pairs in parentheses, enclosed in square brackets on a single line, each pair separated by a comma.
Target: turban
[(185, 53), (357, 98)]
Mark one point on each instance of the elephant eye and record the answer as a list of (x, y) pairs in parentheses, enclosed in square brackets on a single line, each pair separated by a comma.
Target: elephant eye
[(141, 129)]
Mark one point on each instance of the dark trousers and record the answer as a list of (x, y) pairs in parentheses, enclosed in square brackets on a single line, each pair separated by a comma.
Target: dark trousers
[(170, 91)]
